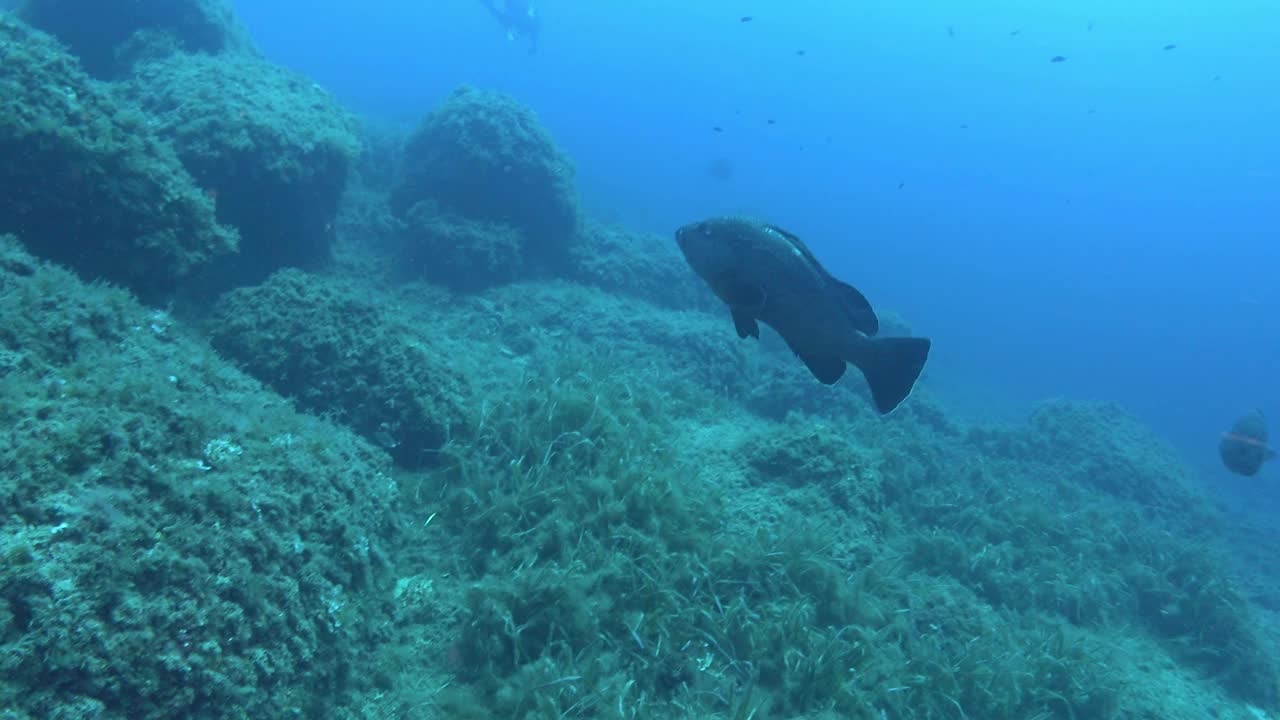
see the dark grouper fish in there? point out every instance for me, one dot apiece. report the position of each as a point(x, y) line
point(764, 273)
point(1244, 447)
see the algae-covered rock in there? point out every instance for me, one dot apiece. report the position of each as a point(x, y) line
point(642, 265)
point(339, 352)
point(1113, 451)
point(483, 156)
point(686, 352)
point(459, 252)
point(104, 34)
point(88, 181)
point(177, 541)
point(272, 148)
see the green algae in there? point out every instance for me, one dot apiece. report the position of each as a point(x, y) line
point(90, 183)
point(334, 348)
point(176, 540)
point(482, 156)
point(270, 147)
point(101, 34)
point(576, 496)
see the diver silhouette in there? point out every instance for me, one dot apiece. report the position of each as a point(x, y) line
point(518, 17)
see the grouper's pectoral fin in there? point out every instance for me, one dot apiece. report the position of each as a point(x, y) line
point(745, 301)
point(745, 323)
point(827, 368)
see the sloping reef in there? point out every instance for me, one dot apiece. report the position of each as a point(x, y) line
point(444, 447)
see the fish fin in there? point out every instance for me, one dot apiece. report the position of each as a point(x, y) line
point(787, 234)
point(799, 245)
point(891, 367)
point(745, 323)
point(827, 368)
point(864, 318)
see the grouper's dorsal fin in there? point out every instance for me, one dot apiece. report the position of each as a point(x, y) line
point(858, 307)
point(864, 318)
point(799, 245)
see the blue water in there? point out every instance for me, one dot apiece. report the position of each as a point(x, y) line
point(1104, 227)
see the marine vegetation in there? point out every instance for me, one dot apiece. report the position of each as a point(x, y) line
point(270, 148)
point(483, 157)
point(189, 172)
point(536, 476)
point(177, 540)
point(89, 182)
point(106, 37)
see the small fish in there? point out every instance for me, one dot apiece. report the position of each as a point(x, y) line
point(1015, 33)
point(717, 128)
point(1089, 27)
point(1170, 46)
point(800, 53)
point(765, 274)
point(746, 18)
point(901, 185)
point(771, 121)
point(1057, 58)
point(951, 31)
point(1244, 448)
point(964, 127)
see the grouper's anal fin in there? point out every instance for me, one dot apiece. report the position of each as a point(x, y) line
point(827, 368)
point(864, 318)
point(745, 323)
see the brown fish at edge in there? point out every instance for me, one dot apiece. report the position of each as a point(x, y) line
point(1243, 448)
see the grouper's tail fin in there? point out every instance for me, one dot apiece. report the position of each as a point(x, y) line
point(891, 366)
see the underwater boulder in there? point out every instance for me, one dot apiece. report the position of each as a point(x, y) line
point(483, 156)
point(342, 351)
point(1106, 447)
point(106, 36)
point(88, 182)
point(458, 252)
point(177, 540)
point(640, 265)
point(272, 148)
